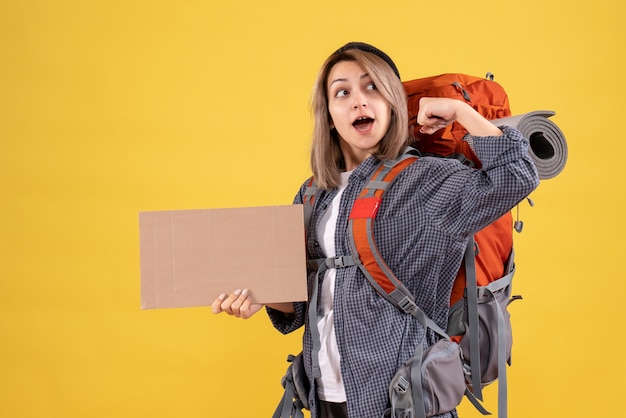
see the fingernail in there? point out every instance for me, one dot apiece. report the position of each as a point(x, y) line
point(237, 292)
point(222, 296)
point(244, 292)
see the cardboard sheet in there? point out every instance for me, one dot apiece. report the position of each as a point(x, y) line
point(189, 257)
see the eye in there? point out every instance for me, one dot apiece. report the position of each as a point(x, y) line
point(341, 93)
point(371, 86)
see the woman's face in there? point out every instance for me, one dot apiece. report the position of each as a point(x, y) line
point(358, 111)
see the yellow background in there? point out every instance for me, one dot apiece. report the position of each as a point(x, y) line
point(108, 108)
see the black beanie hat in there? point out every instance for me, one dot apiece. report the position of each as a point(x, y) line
point(371, 49)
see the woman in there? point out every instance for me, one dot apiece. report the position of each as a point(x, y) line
point(421, 228)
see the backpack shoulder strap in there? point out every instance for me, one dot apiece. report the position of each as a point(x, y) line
point(471, 295)
point(360, 228)
point(308, 200)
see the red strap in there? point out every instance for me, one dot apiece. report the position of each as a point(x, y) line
point(365, 207)
point(364, 211)
point(367, 256)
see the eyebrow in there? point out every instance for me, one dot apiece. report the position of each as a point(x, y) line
point(365, 75)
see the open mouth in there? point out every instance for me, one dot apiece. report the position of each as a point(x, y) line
point(363, 123)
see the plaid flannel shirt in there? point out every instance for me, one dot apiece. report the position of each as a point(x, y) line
point(421, 230)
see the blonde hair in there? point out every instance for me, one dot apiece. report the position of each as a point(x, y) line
point(326, 157)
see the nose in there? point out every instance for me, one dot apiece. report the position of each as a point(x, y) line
point(359, 101)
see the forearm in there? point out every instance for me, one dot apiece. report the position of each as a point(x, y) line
point(437, 112)
point(474, 123)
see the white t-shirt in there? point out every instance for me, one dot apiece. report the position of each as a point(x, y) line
point(330, 384)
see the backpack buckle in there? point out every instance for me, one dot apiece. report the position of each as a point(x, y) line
point(402, 386)
point(407, 305)
point(340, 262)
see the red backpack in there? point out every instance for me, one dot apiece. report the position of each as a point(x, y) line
point(490, 100)
point(483, 94)
point(490, 256)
